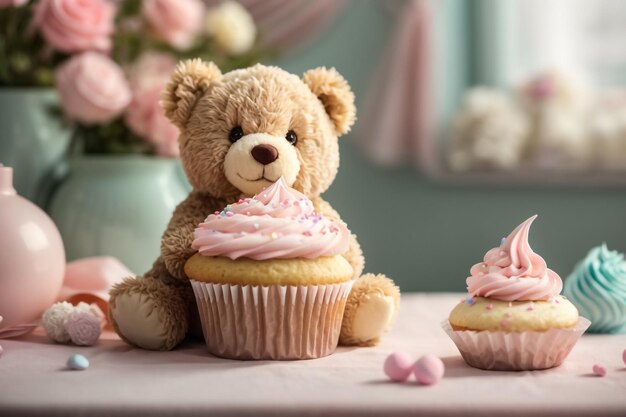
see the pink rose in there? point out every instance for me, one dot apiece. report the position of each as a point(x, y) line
point(144, 115)
point(11, 3)
point(146, 118)
point(92, 88)
point(83, 328)
point(76, 25)
point(150, 69)
point(176, 22)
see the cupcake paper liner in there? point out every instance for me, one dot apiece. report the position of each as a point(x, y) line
point(516, 351)
point(271, 322)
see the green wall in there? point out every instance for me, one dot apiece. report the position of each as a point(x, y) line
point(425, 234)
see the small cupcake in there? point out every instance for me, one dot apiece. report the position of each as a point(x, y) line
point(269, 278)
point(597, 287)
point(513, 317)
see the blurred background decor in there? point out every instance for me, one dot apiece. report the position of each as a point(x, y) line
point(555, 72)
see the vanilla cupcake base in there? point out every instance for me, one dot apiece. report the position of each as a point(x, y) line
point(245, 271)
point(279, 322)
point(479, 313)
point(516, 351)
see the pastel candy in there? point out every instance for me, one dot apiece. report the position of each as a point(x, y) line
point(599, 370)
point(429, 369)
point(77, 362)
point(398, 366)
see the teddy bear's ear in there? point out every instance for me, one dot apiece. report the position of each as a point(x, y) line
point(188, 83)
point(335, 93)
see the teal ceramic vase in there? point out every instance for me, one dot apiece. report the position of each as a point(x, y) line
point(32, 139)
point(117, 206)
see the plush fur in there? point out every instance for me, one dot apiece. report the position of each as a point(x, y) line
point(266, 102)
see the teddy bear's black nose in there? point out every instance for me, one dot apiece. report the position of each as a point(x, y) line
point(264, 154)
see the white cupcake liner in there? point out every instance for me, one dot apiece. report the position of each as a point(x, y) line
point(271, 322)
point(516, 351)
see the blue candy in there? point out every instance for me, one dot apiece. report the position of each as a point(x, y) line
point(77, 362)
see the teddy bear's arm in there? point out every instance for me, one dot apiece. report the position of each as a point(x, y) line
point(354, 254)
point(177, 239)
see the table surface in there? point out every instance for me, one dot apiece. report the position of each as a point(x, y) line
point(188, 381)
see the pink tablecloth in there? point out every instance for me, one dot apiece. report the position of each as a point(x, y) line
point(188, 381)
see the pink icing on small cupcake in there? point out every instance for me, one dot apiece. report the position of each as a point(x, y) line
point(277, 223)
point(513, 272)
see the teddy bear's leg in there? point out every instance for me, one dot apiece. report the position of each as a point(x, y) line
point(153, 311)
point(370, 310)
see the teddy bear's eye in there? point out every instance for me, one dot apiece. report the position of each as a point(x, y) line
point(235, 134)
point(291, 137)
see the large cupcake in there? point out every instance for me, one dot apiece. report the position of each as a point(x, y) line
point(513, 317)
point(269, 278)
point(597, 286)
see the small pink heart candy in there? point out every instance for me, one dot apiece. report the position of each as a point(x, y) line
point(599, 370)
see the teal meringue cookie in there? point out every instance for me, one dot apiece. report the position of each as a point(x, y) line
point(597, 287)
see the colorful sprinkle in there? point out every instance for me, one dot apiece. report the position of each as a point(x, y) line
point(531, 307)
point(274, 235)
point(470, 301)
point(510, 304)
point(256, 225)
point(307, 233)
point(217, 213)
point(489, 306)
point(502, 241)
point(599, 370)
point(230, 214)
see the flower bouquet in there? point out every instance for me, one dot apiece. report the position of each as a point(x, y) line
point(110, 60)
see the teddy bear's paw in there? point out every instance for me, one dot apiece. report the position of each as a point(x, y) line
point(370, 310)
point(151, 318)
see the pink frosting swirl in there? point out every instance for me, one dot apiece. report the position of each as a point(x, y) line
point(279, 222)
point(514, 272)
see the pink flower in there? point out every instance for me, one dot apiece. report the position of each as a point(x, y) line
point(83, 328)
point(76, 25)
point(11, 3)
point(176, 22)
point(92, 88)
point(150, 69)
point(144, 114)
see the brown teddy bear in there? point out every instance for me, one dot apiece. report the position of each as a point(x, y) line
point(239, 132)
